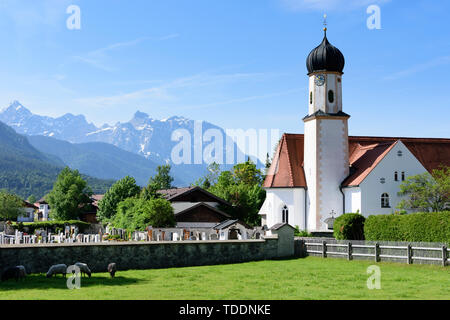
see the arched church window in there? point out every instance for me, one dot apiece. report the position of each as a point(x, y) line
point(403, 176)
point(331, 96)
point(285, 214)
point(385, 200)
point(396, 176)
point(311, 98)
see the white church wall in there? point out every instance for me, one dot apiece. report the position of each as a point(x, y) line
point(352, 200)
point(310, 168)
point(277, 198)
point(372, 189)
point(333, 169)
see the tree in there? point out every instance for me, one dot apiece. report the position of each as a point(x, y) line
point(32, 199)
point(11, 206)
point(138, 213)
point(242, 187)
point(268, 163)
point(69, 194)
point(161, 181)
point(426, 192)
point(161, 214)
point(211, 177)
point(121, 190)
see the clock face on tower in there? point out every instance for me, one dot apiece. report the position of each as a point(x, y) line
point(319, 80)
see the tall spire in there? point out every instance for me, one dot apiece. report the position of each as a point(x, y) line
point(325, 24)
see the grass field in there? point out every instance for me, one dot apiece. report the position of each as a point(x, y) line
point(310, 278)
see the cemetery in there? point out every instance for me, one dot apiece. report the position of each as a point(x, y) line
point(230, 229)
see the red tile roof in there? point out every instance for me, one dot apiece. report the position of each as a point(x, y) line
point(364, 155)
point(287, 166)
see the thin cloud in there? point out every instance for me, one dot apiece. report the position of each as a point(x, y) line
point(328, 5)
point(419, 68)
point(132, 43)
point(244, 99)
point(163, 92)
point(96, 58)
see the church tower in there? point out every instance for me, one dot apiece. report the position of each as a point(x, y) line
point(326, 160)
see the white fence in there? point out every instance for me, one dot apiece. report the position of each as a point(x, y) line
point(407, 253)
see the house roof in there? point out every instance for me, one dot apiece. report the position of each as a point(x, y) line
point(42, 201)
point(175, 193)
point(280, 225)
point(29, 205)
point(286, 170)
point(183, 207)
point(96, 198)
point(364, 154)
point(229, 223)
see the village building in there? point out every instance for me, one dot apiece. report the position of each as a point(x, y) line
point(323, 173)
point(29, 211)
point(196, 208)
point(43, 210)
point(90, 210)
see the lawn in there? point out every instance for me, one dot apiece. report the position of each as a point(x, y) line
point(310, 278)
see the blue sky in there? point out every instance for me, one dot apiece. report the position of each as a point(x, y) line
point(235, 63)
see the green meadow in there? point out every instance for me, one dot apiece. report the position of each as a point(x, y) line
point(297, 279)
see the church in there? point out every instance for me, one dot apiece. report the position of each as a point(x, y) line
point(321, 174)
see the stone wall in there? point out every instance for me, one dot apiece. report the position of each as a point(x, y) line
point(38, 258)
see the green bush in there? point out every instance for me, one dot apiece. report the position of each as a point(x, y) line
point(52, 225)
point(349, 226)
point(137, 214)
point(302, 233)
point(415, 227)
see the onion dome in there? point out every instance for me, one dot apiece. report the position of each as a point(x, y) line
point(325, 57)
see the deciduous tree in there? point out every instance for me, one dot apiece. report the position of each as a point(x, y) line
point(162, 180)
point(121, 190)
point(426, 192)
point(70, 192)
point(11, 206)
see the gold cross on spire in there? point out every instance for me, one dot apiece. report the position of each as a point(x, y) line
point(325, 22)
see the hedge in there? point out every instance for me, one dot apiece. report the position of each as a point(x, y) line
point(349, 226)
point(415, 227)
point(31, 227)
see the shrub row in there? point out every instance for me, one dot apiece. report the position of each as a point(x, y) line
point(31, 227)
point(416, 227)
point(349, 226)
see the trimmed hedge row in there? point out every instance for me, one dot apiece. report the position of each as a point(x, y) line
point(31, 227)
point(415, 227)
point(349, 226)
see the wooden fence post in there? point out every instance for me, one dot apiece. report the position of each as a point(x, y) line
point(350, 251)
point(444, 256)
point(377, 252)
point(324, 249)
point(409, 253)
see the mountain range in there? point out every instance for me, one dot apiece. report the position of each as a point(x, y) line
point(132, 148)
point(26, 171)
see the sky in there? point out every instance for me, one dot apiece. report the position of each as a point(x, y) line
point(239, 64)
